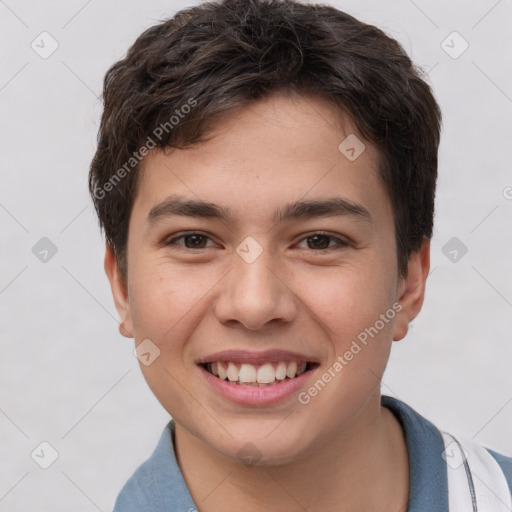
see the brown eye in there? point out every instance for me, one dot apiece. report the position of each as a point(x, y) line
point(322, 241)
point(190, 241)
point(319, 242)
point(195, 241)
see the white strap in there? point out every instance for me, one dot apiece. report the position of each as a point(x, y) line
point(476, 482)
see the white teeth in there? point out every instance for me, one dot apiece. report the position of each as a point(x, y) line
point(232, 372)
point(281, 371)
point(291, 370)
point(222, 371)
point(247, 373)
point(266, 374)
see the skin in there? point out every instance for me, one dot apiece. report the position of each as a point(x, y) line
point(342, 451)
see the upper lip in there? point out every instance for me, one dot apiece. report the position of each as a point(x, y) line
point(250, 357)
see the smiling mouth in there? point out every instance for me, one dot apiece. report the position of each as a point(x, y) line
point(262, 375)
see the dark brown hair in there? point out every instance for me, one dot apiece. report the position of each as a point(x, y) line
point(182, 75)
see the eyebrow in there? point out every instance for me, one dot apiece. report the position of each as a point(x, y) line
point(330, 207)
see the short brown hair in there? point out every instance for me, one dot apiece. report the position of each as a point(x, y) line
point(217, 57)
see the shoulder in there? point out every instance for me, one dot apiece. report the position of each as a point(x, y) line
point(446, 470)
point(157, 484)
point(137, 493)
point(486, 473)
point(505, 464)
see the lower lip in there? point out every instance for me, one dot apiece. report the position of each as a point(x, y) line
point(252, 395)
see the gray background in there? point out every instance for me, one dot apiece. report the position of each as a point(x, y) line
point(67, 375)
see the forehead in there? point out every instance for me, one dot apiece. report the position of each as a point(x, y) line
point(275, 151)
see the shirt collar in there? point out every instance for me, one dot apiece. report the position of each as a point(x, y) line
point(427, 469)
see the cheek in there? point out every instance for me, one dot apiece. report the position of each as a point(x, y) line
point(166, 308)
point(167, 303)
point(348, 298)
point(354, 307)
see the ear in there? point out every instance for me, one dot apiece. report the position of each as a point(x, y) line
point(119, 293)
point(411, 291)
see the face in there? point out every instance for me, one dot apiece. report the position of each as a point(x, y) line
point(289, 266)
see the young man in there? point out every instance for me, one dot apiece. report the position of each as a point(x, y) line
point(265, 177)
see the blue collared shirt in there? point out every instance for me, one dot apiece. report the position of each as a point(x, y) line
point(158, 485)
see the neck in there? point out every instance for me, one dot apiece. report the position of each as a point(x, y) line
point(365, 467)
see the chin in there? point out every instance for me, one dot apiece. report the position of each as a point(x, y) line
point(276, 449)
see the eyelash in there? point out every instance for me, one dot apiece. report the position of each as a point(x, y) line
point(341, 243)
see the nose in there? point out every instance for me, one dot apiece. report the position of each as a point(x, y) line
point(256, 293)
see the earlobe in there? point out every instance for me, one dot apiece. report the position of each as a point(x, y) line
point(119, 292)
point(411, 292)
